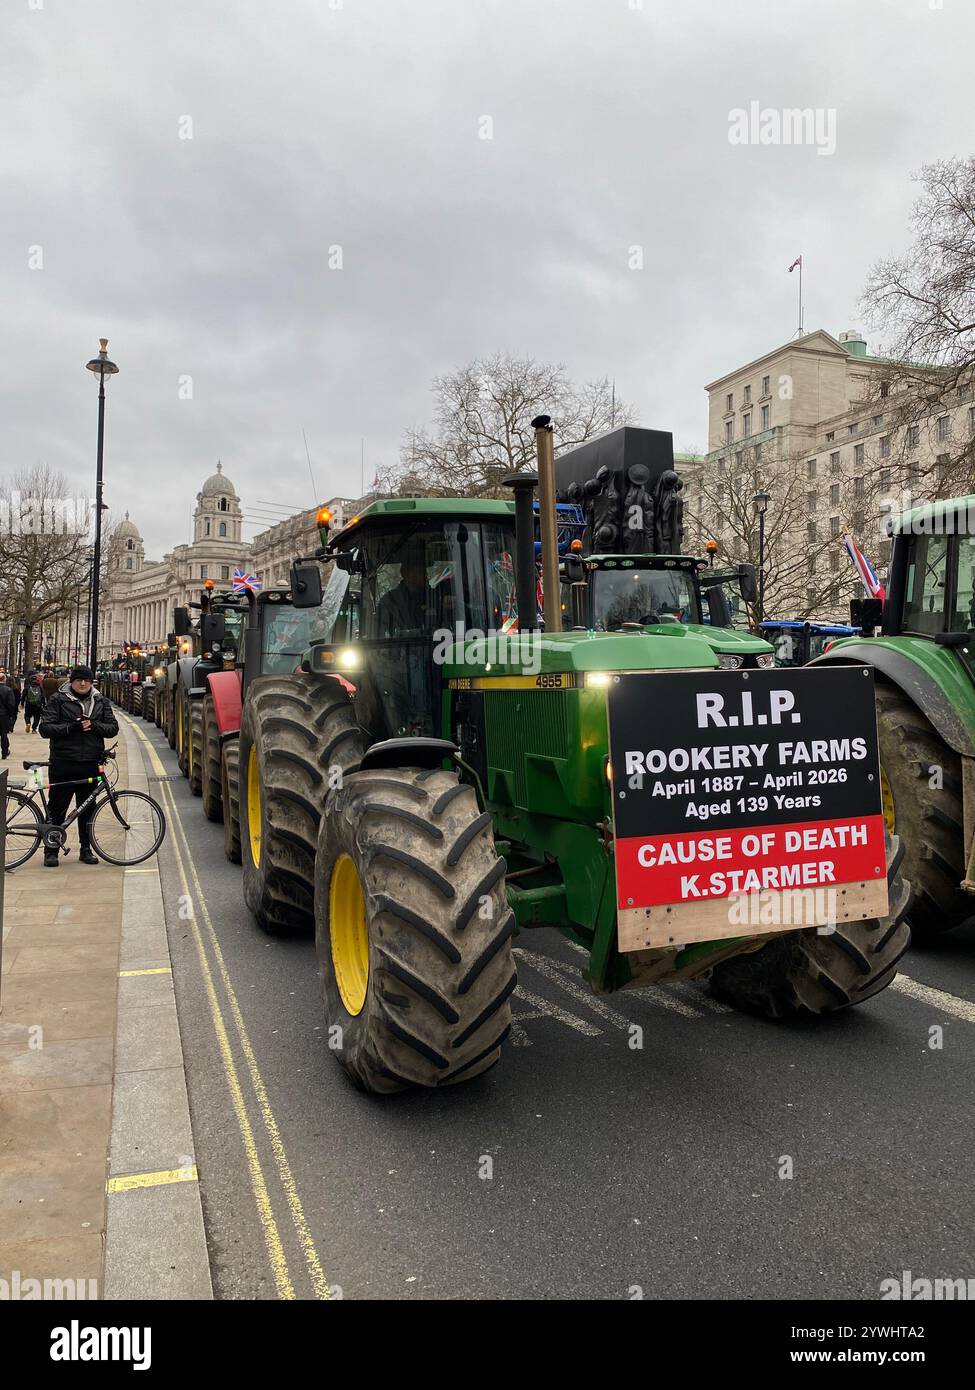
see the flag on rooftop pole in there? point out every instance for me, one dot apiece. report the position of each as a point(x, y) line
point(798, 262)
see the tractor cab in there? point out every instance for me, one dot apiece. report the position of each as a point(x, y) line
point(797, 641)
point(665, 594)
point(411, 579)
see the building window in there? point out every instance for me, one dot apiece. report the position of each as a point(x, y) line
point(729, 426)
point(878, 420)
point(885, 447)
point(834, 495)
point(834, 464)
point(858, 486)
point(942, 468)
point(766, 381)
point(746, 425)
point(834, 526)
point(766, 416)
point(223, 504)
point(884, 479)
point(811, 531)
point(852, 429)
point(811, 564)
point(748, 395)
point(224, 571)
point(722, 465)
point(944, 430)
point(758, 453)
point(830, 436)
point(834, 561)
point(128, 545)
point(128, 563)
point(738, 458)
point(812, 499)
point(971, 419)
point(203, 571)
point(223, 528)
point(729, 401)
point(208, 528)
point(914, 436)
point(811, 469)
point(884, 389)
point(858, 455)
point(913, 473)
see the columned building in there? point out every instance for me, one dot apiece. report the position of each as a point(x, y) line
point(141, 594)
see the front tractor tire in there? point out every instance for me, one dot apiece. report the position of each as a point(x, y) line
point(230, 787)
point(211, 788)
point(194, 747)
point(803, 973)
point(413, 930)
point(928, 820)
point(298, 737)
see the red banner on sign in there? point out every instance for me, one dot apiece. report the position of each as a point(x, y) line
point(682, 868)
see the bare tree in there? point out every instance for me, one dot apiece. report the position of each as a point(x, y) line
point(924, 302)
point(45, 549)
point(800, 578)
point(482, 424)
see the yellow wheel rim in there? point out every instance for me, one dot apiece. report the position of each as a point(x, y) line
point(189, 749)
point(179, 726)
point(887, 800)
point(348, 934)
point(254, 807)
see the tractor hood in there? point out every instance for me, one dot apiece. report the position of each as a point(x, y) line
point(725, 640)
point(663, 648)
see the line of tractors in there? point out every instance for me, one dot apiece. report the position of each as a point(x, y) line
point(410, 761)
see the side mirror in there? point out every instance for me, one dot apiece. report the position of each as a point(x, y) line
point(866, 614)
point(213, 630)
point(719, 609)
point(347, 560)
point(181, 622)
point(573, 570)
point(747, 583)
point(306, 586)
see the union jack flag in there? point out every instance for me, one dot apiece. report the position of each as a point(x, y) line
point(244, 582)
point(863, 567)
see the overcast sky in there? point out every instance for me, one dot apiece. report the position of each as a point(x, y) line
point(358, 124)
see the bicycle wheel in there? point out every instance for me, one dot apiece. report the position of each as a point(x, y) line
point(127, 828)
point(24, 823)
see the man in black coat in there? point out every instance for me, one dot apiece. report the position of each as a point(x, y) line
point(77, 720)
point(8, 713)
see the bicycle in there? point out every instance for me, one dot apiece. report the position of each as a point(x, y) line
point(126, 827)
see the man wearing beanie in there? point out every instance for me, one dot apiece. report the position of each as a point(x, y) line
point(77, 720)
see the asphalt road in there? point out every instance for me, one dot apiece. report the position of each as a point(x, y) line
point(584, 1165)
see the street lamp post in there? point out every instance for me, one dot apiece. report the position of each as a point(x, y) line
point(102, 368)
point(760, 501)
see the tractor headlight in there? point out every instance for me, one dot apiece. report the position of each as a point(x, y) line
point(730, 663)
point(765, 661)
point(600, 679)
point(349, 659)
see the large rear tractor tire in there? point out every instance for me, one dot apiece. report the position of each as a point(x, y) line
point(230, 784)
point(194, 746)
point(149, 703)
point(413, 930)
point(298, 737)
point(928, 819)
point(211, 788)
point(803, 973)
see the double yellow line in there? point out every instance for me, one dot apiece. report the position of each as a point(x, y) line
point(272, 1237)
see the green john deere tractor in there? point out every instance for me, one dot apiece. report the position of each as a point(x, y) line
point(460, 784)
point(924, 662)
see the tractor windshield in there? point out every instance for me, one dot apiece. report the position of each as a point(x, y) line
point(419, 588)
point(288, 633)
point(643, 596)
